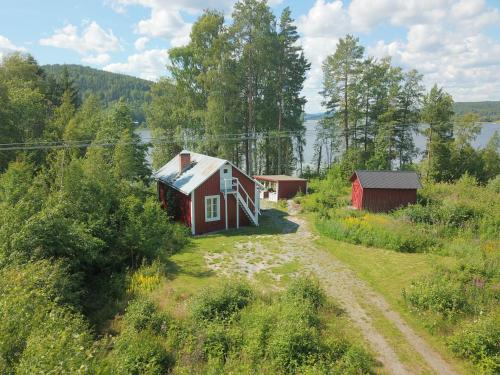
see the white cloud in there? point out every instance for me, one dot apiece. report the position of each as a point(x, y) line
point(324, 19)
point(321, 29)
point(140, 43)
point(92, 39)
point(6, 47)
point(100, 59)
point(366, 14)
point(444, 41)
point(149, 64)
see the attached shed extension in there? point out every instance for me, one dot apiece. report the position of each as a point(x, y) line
point(281, 186)
point(383, 191)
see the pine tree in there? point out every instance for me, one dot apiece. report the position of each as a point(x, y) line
point(437, 113)
point(253, 39)
point(342, 77)
point(68, 88)
point(291, 69)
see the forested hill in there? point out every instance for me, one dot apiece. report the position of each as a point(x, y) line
point(487, 111)
point(109, 87)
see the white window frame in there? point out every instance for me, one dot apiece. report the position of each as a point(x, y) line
point(209, 198)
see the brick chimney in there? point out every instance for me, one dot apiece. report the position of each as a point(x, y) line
point(184, 161)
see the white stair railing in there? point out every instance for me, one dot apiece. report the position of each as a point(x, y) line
point(233, 185)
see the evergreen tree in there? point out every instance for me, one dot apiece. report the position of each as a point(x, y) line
point(409, 101)
point(252, 36)
point(291, 69)
point(68, 88)
point(437, 113)
point(341, 81)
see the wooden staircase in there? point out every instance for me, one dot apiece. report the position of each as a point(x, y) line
point(233, 186)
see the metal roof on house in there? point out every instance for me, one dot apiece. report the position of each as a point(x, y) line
point(200, 169)
point(278, 177)
point(387, 179)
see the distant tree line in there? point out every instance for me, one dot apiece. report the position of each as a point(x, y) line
point(242, 78)
point(373, 111)
point(106, 86)
point(488, 111)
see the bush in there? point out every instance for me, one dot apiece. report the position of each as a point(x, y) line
point(221, 303)
point(216, 343)
point(355, 361)
point(293, 344)
point(142, 315)
point(62, 344)
point(140, 354)
point(466, 289)
point(305, 289)
point(28, 293)
point(438, 294)
point(479, 342)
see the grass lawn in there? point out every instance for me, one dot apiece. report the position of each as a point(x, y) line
point(187, 271)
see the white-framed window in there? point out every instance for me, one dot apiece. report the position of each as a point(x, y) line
point(212, 208)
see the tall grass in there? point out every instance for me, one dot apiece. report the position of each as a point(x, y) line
point(232, 328)
point(462, 220)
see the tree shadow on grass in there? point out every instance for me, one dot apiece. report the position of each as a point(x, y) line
point(188, 267)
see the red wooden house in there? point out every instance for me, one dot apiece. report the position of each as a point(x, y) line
point(382, 191)
point(207, 194)
point(281, 186)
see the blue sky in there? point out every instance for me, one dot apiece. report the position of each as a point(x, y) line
point(455, 43)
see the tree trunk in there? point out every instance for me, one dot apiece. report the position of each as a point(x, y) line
point(318, 166)
point(248, 141)
point(280, 126)
point(366, 124)
point(346, 114)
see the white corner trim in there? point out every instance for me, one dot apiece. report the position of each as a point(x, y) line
point(193, 216)
point(211, 197)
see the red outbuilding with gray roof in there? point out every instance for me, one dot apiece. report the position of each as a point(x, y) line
point(383, 191)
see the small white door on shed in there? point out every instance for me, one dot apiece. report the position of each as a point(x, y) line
point(226, 173)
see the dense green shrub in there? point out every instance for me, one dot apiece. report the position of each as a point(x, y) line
point(217, 342)
point(292, 345)
point(438, 294)
point(479, 342)
point(305, 289)
point(28, 294)
point(139, 354)
point(280, 333)
point(468, 288)
point(61, 344)
point(221, 303)
point(326, 193)
point(142, 314)
point(454, 214)
point(494, 185)
point(355, 361)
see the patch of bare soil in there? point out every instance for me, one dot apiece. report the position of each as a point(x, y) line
point(297, 244)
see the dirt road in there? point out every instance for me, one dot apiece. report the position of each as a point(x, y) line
point(296, 244)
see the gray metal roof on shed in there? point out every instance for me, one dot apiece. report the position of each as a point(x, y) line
point(388, 179)
point(200, 169)
point(278, 177)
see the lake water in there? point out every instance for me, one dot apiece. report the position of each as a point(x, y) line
point(482, 139)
